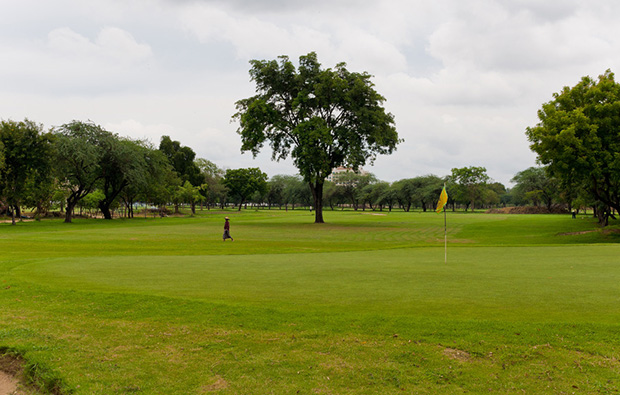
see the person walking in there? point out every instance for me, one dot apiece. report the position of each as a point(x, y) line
point(227, 230)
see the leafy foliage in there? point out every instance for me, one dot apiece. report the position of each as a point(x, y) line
point(243, 183)
point(534, 185)
point(578, 137)
point(182, 160)
point(78, 160)
point(25, 162)
point(470, 183)
point(322, 118)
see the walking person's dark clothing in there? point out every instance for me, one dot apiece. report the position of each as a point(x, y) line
point(227, 231)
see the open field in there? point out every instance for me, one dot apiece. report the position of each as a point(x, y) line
point(361, 305)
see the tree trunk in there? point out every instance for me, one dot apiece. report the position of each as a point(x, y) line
point(317, 194)
point(69, 211)
point(105, 210)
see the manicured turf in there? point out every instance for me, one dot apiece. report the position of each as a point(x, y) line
point(361, 305)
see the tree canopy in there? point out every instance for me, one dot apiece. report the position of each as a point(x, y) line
point(534, 185)
point(242, 183)
point(470, 183)
point(322, 118)
point(25, 162)
point(578, 137)
point(78, 160)
point(182, 160)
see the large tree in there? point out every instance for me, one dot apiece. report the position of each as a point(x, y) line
point(578, 137)
point(322, 118)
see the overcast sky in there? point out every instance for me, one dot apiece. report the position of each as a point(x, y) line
point(462, 78)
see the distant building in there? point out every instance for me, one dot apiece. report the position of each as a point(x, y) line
point(340, 170)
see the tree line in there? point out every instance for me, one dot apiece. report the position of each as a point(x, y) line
point(322, 118)
point(82, 166)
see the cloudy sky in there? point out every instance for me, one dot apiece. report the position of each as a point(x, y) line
point(462, 78)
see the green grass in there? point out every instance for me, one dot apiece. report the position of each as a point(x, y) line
point(363, 304)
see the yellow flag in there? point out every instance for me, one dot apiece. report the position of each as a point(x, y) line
point(443, 199)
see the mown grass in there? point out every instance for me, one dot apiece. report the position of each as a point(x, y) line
point(361, 305)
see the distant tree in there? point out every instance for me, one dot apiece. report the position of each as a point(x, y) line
point(25, 161)
point(182, 160)
point(212, 188)
point(578, 138)
point(188, 193)
point(163, 186)
point(41, 190)
point(91, 201)
point(153, 176)
point(390, 197)
point(243, 183)
point(493, 193)
point(534, 185)
point(123, 163)
point(405, 192)
point(299, 192)
point(352, 186)
point(275, 194)
point(323, 118)
point(427, 190)
point(376, 194)
point(78, 160)
point(471, 182)
point(207, 167)
point(333, 194)
point(294, 191)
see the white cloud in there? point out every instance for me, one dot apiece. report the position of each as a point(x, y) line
point(463, 79)
point(67, 62)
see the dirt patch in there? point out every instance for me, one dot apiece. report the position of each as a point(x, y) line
point(457, 355)
point(218, 385)
point(11, 371)
point(576, 233)
point(603, 231)
point(528, 210)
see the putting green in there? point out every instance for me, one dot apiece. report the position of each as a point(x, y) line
point(571, 283)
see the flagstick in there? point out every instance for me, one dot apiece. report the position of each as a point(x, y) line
point(445, 235)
